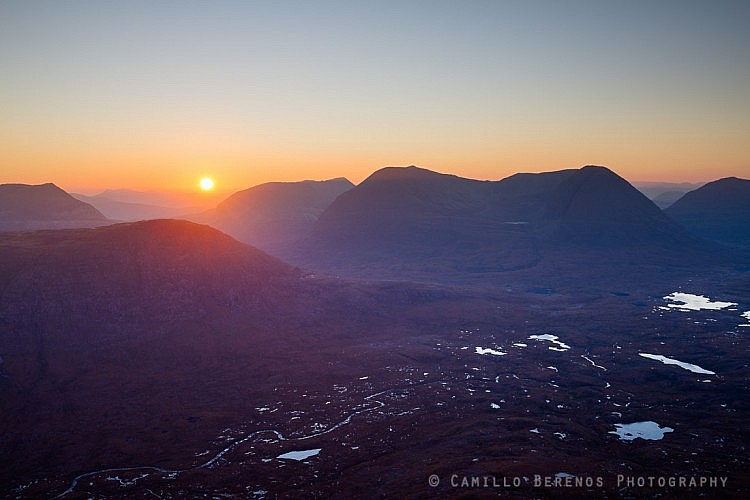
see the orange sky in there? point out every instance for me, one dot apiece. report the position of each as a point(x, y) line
point(146, 95)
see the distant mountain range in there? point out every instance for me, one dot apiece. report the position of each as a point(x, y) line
point(44, 206)
point(408, 223)
point(664, 194)
point(275, 214)
point(718, 211)
point(130, 211)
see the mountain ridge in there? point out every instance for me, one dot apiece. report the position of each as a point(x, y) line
point(410, 221)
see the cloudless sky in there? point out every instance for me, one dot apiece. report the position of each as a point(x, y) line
point(155, 94)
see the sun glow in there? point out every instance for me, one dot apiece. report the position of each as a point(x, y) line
point(207, 184)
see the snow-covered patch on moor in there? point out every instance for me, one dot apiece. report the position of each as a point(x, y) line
point(551, 338)
point(299, 455)
point(670, 361)
point(644, 430)
point(487, 350)
point(690, 302)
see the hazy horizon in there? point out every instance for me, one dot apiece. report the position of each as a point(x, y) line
point(148, 95)
point(220, 192)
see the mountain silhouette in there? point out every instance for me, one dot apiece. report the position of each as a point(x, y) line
point(595, 207)
point(410, 221)
point(273, 214)
point(718, 211)
point(44, 206)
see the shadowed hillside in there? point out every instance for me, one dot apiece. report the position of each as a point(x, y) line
point(407, 223)
point(718, 211)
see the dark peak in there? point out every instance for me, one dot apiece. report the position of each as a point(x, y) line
point(335, 180)
point(404, 173)
point(729, 182)
point(728, 186)
point(287, 194)
point(595, 167)
point(597, 170)
point(597, 193)
point(728, 195)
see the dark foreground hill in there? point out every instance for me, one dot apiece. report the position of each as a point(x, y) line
point(411, 223)
point(116, 342)
point(274, 214)
point(718, 211)
point(44, 206)
point(166, 359)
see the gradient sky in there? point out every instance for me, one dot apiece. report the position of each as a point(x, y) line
point(155, 94)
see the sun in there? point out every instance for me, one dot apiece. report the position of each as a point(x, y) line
point(207, 184)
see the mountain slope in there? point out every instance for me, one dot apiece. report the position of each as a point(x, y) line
point(408, 222)
point(140, 342)
point(719, 211)
point(44, 206)
point(273, 214)
point(594, 207)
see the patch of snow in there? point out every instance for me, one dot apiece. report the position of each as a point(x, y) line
point(553, 339)
point(553, 368)
point(746, 315)
point(644, 430)
point(484, 351)
point(494, 406)
point(299, 455)
point(535, 430)
point(690, 302)
point(520, 344)
point(669, 361)
point(561, 435)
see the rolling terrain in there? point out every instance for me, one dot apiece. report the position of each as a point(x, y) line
point(507, 339)
point(164, 357)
